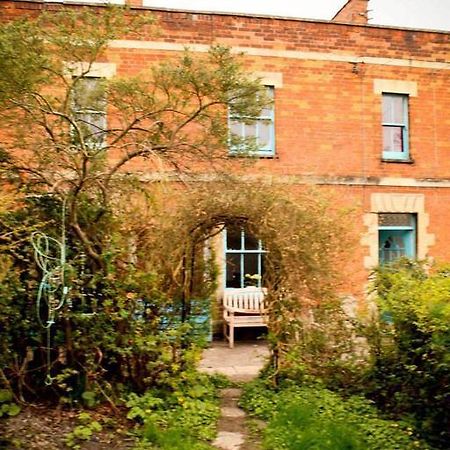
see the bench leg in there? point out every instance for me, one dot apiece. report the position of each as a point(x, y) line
point(231, 337)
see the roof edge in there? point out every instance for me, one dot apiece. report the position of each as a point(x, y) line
point(240, 14)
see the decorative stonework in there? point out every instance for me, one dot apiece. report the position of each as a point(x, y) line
point(280, 53)
point(395, 87)
point(274, 79)
point(396, 203)
point(97, 70)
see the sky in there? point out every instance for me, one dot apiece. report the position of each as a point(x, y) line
point(429, 14)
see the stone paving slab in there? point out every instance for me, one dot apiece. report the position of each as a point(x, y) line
point(241, 363)
point(230, 411)
point(227, 440)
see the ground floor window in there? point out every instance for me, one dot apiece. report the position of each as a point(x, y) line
point(244, 259)
point(397, 236)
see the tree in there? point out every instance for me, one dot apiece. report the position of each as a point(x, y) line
point(170, 122)
point(172, 118)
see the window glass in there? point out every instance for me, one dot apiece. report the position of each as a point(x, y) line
point(264, 134)
point(235, 127)
point(251, 268)
point(251, 243)
point(393, 108)
point(233, 270)
point(234, 238)
point(397, 236)
point(90, 110)
point(395, 126)
point(250, 130)
point(244, 259)
point(260, 128)
point(395, 219)
point(392, 139)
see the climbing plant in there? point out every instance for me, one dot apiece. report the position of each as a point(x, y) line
point(305, 239)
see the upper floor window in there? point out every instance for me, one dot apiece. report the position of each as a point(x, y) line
point(244, 259)
point(397, 236)
point(395, 127)
point(258, 130)
point(89, 108)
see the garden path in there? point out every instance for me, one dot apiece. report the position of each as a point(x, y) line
point(240, 364)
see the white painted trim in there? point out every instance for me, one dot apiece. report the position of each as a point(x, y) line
point(289, 54)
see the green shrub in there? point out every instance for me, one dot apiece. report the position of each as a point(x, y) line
point(83, 432)
point(313, 417)
point(8, 408)
point(183, 416)
point(410, 374)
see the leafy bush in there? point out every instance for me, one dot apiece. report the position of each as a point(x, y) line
point(177, 418)
point(116, 331)
point(83, 432)
point(7, 405)
point(312, 416)
point(410, 346)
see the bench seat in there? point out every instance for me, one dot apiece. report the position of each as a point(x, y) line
point(243, 308)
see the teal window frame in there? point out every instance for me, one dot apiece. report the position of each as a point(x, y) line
point(267, 117)
point(407, 234)
point(403, 123)
point(243, 254)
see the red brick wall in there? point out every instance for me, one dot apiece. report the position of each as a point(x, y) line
point(327, 116)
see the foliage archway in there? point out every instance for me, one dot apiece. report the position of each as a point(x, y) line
point(306, 239)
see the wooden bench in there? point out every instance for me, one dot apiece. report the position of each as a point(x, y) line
point(243, 308)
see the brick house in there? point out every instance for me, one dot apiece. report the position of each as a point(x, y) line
point(359, 109)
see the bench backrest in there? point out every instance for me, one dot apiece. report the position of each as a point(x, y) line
point(249, 300)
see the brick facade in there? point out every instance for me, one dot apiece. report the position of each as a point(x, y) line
point(328, 109)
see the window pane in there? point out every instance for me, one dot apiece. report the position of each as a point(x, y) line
point(251, 243)
point(397, 109)
point(392, 248)
point(261, 129)
point(392, 139)
point(92, 126)
point(236, 127)
point(395, 244)
point(251, 273)
point(266, 112)
point(396, 219)
point(234, 238)
point(89, 94)
point(393, 108)
point(250, 130)
point(233, 270)
point(264, 134)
